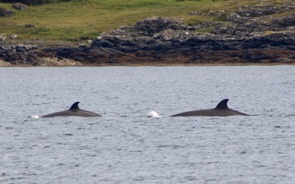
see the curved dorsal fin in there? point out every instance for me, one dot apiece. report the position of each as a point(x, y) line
point(222, 104)
point(75, 106)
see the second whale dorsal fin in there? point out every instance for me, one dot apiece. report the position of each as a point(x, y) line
point(75, 106)
point(222, 104)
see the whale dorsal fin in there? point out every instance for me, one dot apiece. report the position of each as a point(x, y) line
point(222, 104)
point(75, 106)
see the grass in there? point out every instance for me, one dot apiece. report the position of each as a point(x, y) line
point(76, 20)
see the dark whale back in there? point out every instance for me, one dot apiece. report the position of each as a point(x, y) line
point(74, 110)
point(220, 110)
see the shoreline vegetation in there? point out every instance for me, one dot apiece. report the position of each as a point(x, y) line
point(202, 33)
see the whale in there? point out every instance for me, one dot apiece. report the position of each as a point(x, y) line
point(220, 110)
point(74, 110)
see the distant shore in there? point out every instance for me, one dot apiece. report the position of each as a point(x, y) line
point(250, 36)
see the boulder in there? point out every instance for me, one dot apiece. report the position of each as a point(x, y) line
point(5, 12)
point(3, 37)
point(19, 6)
point(150, 26)
point(4, 63)
point(53, 61)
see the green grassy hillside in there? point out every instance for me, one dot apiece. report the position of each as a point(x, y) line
point(77, 20)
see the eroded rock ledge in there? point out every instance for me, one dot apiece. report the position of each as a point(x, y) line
point(250, 35)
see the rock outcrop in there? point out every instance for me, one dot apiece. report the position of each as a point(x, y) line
point(5, 12)
point(4, 63)
point(249, 35)
point(19, 6)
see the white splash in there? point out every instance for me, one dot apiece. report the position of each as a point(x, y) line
point(153, 114)
point(34, 117)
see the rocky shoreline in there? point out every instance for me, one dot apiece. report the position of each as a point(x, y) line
point(251, 35)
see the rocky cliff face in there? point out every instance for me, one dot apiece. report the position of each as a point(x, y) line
point(249, 35)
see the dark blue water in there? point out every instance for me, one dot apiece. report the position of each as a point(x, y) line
point(126, 146)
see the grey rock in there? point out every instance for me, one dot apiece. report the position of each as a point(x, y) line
point(19, 6)
point(257, 11)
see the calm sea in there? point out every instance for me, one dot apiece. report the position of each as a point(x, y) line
point(125, 146)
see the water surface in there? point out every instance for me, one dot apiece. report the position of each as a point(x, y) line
point(125, 146)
